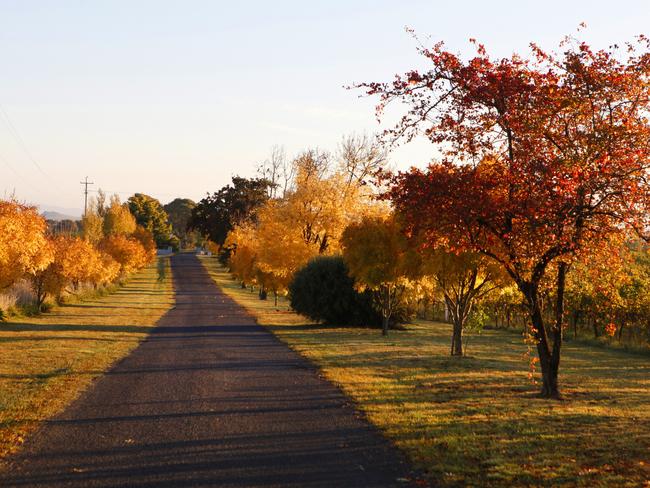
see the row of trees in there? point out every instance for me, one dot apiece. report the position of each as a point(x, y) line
point(271, 226)
point(112, 245)
point(167, 223)
point(539, 204)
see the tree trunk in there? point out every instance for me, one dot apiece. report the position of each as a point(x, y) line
point(576, 318)
point(384, 326)
point(385, 309)
point(550, 389)
point(457, 339)
point(620, 330)
point(549, 361)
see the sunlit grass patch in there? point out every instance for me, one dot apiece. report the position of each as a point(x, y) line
point(477, 421)
point(46, 361)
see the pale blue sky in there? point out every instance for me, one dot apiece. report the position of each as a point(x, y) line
point(171, 98)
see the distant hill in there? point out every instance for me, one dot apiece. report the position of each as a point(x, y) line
point(51, 215)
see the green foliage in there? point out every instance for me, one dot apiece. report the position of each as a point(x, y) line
point(179, 212)
point(235, 204)
point(477, 319)
point(151, 215)
point(323, 291)
point(162, 269)
point(33, 309)
point(174, 242)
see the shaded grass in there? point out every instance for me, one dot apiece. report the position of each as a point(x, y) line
point(47, 361)
point(477, 421)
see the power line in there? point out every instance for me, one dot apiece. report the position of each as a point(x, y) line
point(20, 140)
point(171, 194)
point(18, 175)
point(86, 183)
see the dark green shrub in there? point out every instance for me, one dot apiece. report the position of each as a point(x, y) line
point(30, 309)
point(323, 291)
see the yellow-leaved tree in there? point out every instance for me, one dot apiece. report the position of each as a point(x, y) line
point(380, 259)
point(75, 261)
point(118, 219)
point(242, 242)
point(128, 252)
point(145, 237)
point(463, 279)
point(92, 226)
point(281, 249)
point(107, 272)
point(24, 249)
point(307, 220)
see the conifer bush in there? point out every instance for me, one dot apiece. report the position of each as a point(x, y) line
point(323, 291)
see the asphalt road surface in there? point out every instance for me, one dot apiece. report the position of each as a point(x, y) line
point(208, 399)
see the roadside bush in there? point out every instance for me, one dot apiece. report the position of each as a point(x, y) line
point(323, 291)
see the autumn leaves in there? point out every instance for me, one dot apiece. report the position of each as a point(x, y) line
point(307, 219)
point(112, 247)
point(544, 161)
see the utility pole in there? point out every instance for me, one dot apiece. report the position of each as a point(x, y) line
point(85, 184)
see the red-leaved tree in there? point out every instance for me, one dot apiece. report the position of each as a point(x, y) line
point(542, 160)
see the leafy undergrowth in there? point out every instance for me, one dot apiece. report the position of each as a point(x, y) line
point(47, 361)
point(476, 421)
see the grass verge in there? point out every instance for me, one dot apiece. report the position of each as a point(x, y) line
point(476, 421)
point(48, 360)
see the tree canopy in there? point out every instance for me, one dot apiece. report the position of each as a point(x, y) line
point(179, 212)
point(151, 215)
point(217, 214)
point(23, 245)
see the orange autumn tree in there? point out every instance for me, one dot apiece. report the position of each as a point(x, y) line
point(146, 238)
point(128, 252)
point(542, 159)
point(107, 272)
point(75, 261)
point(23, 246)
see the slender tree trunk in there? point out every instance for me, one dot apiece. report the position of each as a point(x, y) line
point(385, 309)
point(549, 376)
point(457, 339)
point(620, 330)
point(458, 308)
point(576, 318)
point(548, 364)
point(551, 390)
point(384, 326)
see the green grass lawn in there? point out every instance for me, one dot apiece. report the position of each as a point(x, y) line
point(476, 421)
point(47, 361)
